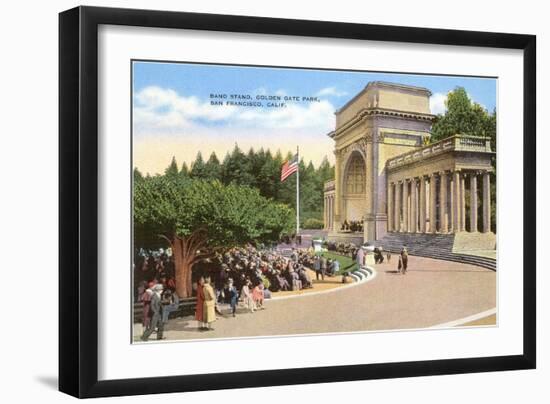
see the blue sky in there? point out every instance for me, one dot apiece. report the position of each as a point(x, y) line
point(172, 106)
point(201, 80)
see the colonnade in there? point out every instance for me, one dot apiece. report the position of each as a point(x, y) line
point(436, 203)
point(329, 211)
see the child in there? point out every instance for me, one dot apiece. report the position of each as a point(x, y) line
point(258, 295)
point(247, 296)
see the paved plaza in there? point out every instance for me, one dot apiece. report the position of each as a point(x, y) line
point(433, 292)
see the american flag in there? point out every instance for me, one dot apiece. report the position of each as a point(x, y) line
point(289, 167)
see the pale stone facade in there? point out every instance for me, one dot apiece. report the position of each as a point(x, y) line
point(432, 187)
point(386, 176)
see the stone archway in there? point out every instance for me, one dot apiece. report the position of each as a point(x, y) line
point(354, 187)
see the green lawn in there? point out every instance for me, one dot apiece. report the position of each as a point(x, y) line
point(346, 263)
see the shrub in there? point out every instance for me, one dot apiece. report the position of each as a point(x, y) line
point(313, 223)
point(266, 282)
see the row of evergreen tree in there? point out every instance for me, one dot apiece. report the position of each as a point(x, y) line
point(261, 169)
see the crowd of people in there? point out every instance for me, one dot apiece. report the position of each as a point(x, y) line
point(245, 275)
point(240, 275)
point(154, 275)
point(353, 226)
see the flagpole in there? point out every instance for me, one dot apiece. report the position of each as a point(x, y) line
point(298, 193)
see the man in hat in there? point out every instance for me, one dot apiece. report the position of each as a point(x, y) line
point(156, 308)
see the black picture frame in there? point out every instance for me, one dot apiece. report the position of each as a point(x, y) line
point(78, 200)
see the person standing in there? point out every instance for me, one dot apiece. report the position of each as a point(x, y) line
point(156, 308)
point(232, 296)
point(334, 267)
point(360, 258)
point(317, 266)
point(404, 259)
point(199, 309)
point(323, 267)
point(209, 312)
point(247, 297)
point(170, 303)
point(146, 300)
point(258, 295)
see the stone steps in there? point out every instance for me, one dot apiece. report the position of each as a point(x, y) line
point(437, 246)
point(361, 274)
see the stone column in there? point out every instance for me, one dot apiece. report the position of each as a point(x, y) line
point(405, 206)
point(328, 212)
point(443, 217)
point(331, 212)
point(433, 226)
point(473, 202)
point(456, 201)
point(389, 206)
point(422, 202)
point(414, 206)
point(397, 209)
point(325, 213)
point(462, 202)
point(338, 189)
point(486, 202)
point(451, 202)
point(332, 203)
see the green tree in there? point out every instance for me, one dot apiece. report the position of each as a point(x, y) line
point(463, 117)
point(212, 168)
point(237, 169)
point(267, 178)
point(325, 172)
point(311, 193)
point(172, 169)
point(184, 172)
point(197, 216)
point(137, 175)
point(198, 167)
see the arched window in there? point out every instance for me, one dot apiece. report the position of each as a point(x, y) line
point(355, 180)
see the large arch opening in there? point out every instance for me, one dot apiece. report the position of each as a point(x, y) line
point(354, 191)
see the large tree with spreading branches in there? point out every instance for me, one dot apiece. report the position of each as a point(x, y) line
point(195, 217)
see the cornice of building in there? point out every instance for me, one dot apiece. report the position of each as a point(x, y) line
point(372, 112)
point(385, 84)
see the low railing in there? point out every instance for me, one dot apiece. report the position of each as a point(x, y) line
point(452, 143)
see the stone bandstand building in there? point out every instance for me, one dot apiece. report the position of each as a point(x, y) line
point(401, 188)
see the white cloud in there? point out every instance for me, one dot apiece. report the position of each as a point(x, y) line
point(163, 110)
point(331, 91)
point(437, 103)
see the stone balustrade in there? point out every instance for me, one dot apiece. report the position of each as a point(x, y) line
point(453, 143)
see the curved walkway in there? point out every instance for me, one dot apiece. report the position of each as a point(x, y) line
point(432, 292)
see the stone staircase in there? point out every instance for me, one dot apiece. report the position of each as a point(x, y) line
point(362, 274)
point(438, 246)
